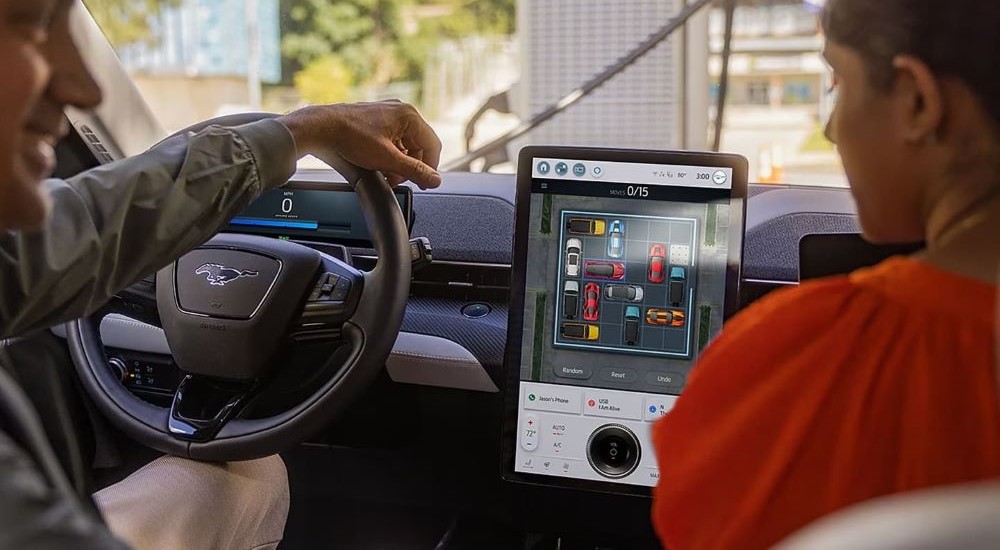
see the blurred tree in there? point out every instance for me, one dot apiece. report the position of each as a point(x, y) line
point(455, 20)
point(364, 34)
point(468, 17)
point(325, 79)
point(128, 21)
point(380, 41)
point(369, 35)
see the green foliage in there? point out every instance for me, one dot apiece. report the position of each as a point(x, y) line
point(704, 326)
point(493, 17)
point(364, 34)
point(325, 79)
point(539, 342)
point(372, 38)
point(816, 141)
point(127, 22)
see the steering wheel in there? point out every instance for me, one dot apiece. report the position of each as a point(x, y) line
point(229, 306)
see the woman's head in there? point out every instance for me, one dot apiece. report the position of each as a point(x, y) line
point(918, 115)
point(43, 73)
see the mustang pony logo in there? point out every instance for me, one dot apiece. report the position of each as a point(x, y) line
point(219, 275)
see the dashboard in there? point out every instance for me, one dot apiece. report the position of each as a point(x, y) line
point(458, 312)
point(472, 267)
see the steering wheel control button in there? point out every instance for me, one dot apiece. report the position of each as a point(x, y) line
point(529, 433)
point(576, 373)
point(325, 287)
point(613, 405)
point(613, 451)
point(223, 283)
point(476, 311)
point(341, 290)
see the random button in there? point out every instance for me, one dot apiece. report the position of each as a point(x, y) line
point(577, 373)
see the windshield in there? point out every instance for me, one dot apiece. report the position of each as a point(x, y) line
point(479, 70)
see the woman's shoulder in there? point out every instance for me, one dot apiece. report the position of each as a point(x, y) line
point(800, 306)
point(874, 304)
point(897, 285)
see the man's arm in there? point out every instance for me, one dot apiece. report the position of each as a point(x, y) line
point(113, 224)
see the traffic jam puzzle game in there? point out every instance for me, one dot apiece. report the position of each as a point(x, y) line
point(625, 283)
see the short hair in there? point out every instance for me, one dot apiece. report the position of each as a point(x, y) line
point(955, 38)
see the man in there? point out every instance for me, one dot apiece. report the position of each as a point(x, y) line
point(67, 246)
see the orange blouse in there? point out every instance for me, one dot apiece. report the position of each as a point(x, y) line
point(819, 397)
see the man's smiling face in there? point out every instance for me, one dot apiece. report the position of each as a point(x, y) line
point(43, 74)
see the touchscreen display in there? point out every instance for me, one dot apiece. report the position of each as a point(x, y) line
point(625, 284)
point(332, 213)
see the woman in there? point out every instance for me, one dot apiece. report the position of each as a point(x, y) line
point(67, 246)
point(883, 381)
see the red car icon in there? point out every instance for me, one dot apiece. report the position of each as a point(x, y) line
point(591, 302)
point(601, 269)
point(657, 254)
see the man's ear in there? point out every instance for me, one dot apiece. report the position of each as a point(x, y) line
point(922, 98)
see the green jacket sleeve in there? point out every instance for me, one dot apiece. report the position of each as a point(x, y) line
point(116, 223)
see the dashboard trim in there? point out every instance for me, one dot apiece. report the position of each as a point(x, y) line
point(418, 359)
point(434, 361)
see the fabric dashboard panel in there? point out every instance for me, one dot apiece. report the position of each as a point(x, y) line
point(485, 337)
point(463, 228)
point(771, 250)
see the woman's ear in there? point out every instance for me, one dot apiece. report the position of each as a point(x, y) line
point(921, 97)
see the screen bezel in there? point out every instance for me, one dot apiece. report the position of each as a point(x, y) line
point(515, 319)
point(333, 187)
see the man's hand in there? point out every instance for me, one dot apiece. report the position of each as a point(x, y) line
point(389, 136)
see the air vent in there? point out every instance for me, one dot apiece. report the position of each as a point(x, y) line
point(464, 281)
point(94, 142)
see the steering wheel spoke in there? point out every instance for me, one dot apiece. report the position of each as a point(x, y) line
point(202, 406)
point(138, 302)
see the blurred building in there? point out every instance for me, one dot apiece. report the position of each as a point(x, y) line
point(565, 43)
point(203, 62)
point(776, 56)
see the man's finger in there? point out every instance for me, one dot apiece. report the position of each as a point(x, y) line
point(414, 170)
point(421, 136)
point(394, 179)
point(414, 150)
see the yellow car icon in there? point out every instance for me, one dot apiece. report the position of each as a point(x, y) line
point(580, 331)
point(586, 226)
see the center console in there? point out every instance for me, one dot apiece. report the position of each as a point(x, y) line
point(626, 264)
